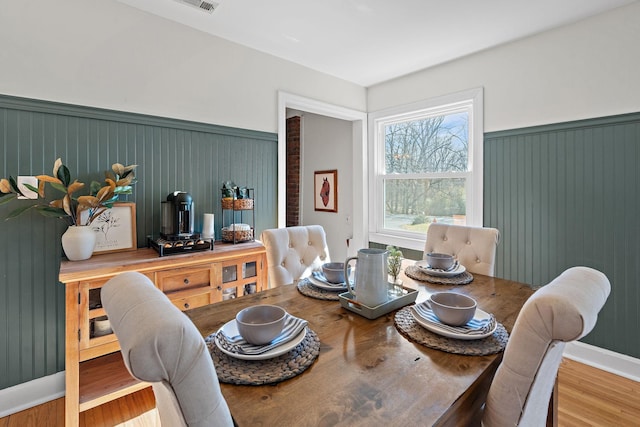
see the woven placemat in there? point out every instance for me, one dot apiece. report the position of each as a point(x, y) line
point(408, 327)
point(257, 372)
point(306, 288)
point(417, 274)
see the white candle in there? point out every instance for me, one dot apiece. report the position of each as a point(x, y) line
point(207, 227)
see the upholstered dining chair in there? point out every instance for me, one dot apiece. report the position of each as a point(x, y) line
point(564, 310)
point(160, 345)
point(474, 247)
point(294, 252)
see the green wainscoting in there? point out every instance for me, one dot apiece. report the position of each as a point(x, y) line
point(171, 154)
point(569, 194)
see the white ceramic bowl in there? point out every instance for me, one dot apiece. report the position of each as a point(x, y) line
point(334, 271)
point(453, 308)
point(440, 261)
point(260, 324)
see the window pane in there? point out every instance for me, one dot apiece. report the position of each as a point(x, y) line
point(433, 144)
point(412, 204)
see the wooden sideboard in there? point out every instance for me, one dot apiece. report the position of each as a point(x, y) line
point(94, 370)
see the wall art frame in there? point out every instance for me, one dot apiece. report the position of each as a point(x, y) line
point(325, 190)
point(116, 229)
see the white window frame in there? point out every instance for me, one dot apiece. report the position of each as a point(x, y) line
point(469, 100)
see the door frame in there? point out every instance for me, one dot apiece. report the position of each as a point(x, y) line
point(360, 168)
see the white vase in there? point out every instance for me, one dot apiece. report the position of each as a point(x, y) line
point(78, 242)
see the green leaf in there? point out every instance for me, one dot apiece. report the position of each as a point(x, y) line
point(31, 187)
point(127, 189)
point(59, 187)
point(94, 188)
point(49, 211)
point(64, 175)
point(6, 198)
point(18, 212)
point(14, 185)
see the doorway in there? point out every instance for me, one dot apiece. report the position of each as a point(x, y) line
point(355, 174)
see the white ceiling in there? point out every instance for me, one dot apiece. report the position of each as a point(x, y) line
point(371, 41)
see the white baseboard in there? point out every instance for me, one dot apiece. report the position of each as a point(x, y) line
point(616, 363)
point(32, 393)
point(26, 395)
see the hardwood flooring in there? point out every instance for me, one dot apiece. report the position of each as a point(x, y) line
point(587, 397)
point(590, 397)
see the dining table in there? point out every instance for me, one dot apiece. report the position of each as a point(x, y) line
point(367, 372)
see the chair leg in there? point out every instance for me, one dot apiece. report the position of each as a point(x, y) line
point(552, 414)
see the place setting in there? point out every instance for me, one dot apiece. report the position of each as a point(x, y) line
point(441, 269)
point(264, 344)
point(326, 283)
point(452, 322)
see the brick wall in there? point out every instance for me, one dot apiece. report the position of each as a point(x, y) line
point(293, 171)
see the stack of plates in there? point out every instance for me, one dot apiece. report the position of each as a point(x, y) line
point(229, 342)
point(453, 271)
point(318, 280)
point(481, 326)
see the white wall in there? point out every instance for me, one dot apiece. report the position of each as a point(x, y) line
point(109, 55)
point(585, 70)
point(326, 144)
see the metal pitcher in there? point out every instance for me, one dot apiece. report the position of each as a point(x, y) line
point(370, 287)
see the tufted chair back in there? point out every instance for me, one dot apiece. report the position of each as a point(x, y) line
point(160, 345)
point(564, 310)
point(294, 252)
point(474, 247)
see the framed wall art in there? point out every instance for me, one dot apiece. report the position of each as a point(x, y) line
point(325, 188)
point(116, 229)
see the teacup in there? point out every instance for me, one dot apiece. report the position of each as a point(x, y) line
point(453, 308)
point(439, 261)
point(334, 271)
point(260, 324)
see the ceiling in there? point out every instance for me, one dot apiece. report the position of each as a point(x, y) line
point(371, 41)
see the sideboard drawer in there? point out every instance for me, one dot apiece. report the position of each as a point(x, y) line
point(184, 278)
point(191, 301)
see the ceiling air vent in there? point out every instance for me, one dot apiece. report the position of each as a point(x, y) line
point(207, 6)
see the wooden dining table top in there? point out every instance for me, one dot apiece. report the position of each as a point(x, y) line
point(367, 373)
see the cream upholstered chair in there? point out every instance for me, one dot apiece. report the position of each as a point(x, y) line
point(294, 252)
point(564, 310)
point(162, 346)
point(474, 247)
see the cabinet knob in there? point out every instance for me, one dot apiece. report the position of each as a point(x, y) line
point(186, 305)
point(186, 281)
point(219, 288)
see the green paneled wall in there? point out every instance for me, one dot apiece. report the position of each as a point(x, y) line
point(171, 154)
point(566, 195)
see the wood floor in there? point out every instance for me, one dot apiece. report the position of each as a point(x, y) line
point(587, 397)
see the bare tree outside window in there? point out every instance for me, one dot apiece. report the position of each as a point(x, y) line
point(426, 166)
point(426, 161)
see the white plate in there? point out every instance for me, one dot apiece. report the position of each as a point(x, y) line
point(480, 315)
point(422, 265)
point(230, 329)
point(326, 285)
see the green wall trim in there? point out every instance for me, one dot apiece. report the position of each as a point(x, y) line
point(556, 127)
point(171, 155)
point(568, 194)
point(41, 106)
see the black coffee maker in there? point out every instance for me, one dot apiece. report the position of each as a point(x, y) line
point(178, 217)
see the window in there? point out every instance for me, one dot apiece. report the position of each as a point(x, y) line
point(427, 167)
